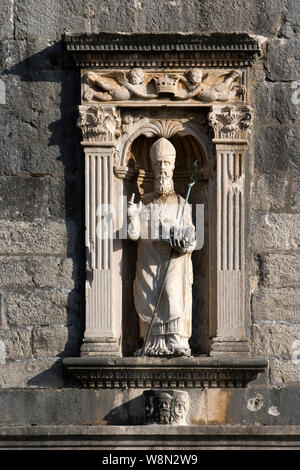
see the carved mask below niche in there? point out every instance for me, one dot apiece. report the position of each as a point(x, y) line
point(166, 407)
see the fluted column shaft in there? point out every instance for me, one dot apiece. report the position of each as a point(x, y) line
point(231, 143)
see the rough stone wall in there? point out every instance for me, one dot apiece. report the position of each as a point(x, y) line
point(41, 177)
point(274, 220)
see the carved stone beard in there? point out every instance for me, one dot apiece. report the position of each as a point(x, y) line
point(163, 185)
point(164, 417)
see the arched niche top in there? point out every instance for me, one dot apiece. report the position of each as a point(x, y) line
point(188, 150)
point(189, 138)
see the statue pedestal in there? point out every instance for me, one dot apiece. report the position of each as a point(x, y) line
point(158, 373)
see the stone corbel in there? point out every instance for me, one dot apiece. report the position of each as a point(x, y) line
point(230, 126)
point(101, 129)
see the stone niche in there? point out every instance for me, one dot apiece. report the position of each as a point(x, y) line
point(193, 91)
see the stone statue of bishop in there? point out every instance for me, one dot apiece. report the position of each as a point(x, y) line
point(158, 226)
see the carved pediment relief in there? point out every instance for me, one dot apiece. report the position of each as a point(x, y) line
point(136, 84)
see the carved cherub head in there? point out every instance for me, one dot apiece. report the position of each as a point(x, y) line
point(195, 76)
point(136, 76)
point(90, 78)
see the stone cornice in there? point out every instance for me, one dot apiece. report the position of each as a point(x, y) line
point(161, 50)
point(195, 372)
point(106, 437)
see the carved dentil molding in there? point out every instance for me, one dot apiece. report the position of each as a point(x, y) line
point(156, 374)
point(167, 50)
point(229, 122)
point(99, 124)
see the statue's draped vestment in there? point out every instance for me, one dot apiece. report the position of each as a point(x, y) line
point(175, 306)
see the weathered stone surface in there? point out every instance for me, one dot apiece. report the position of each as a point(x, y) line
point(72, 406)
point(99, 437)
point(42, 307)
point(23, 197)
point(269, 192)
point(25, 56)
point(284, 372)
point(261, 404)
point(42, 272)
point(280, 270)
point(217, 402)
point(272, 103)
point(49, 341)
point(17, 343)
point(25, 152)
point(11, 53)
point(67, 274)
point(35, 19)
point(42, 237)
point(295, 193)
point(7, 19)
point(13, 272)
point(106, 16)
point(281, 60)
point(291, 19)
point(65, 197)
point(275, 340)
point(191, 15)
point(37, 158)
point(42, 54)
point(277, 148)
point(275, 231)
point(33, 372)
point(280, 305)
point(40, 135)
point(24, 92)
point(28, 198)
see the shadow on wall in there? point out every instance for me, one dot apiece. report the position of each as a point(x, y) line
point(46, 101)
point(129, 413)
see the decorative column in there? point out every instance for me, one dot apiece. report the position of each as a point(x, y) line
point(100, 127)
point(230, 125)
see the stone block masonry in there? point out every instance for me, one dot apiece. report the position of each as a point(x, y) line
point(42, 259)
point(42, 255)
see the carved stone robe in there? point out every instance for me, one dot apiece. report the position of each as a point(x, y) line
point(175, 306)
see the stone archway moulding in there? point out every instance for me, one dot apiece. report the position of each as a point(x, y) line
point(161, 85)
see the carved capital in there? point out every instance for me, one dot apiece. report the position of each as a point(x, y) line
point(99, 124)
point(229, 122)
